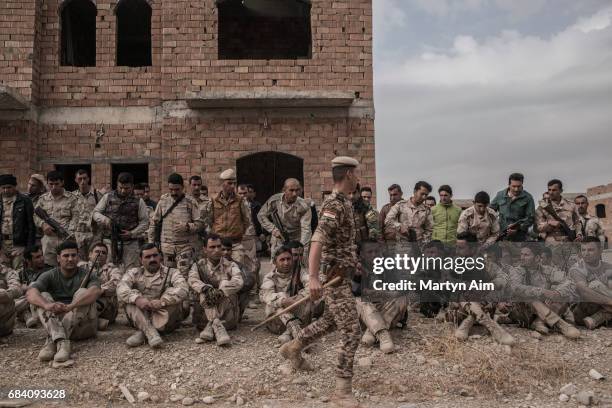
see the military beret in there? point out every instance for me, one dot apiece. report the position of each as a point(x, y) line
point(8, 179)
point(228, 174)
point(344, 161)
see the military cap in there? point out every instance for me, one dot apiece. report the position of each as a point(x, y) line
point(228, 174)
point(40, 178)
point(344, 161)
point(8, 179)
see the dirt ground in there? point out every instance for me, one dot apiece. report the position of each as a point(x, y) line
point(428, 369)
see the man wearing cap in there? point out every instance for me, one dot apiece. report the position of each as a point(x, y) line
point(231, 215)
point(333, 252)
point(16, 216)
point(179, 219)
point(61, 207)
point(37, 186)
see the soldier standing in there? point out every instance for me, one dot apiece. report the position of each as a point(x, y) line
point(205, 204)
point(153, 295)
point(249, 240)
point(36, 187)
point(10, 291)
point(16, 216)
point(88, 197)
point(333, 252)
point(65, 302)
point(61, 206)
point(480, 220)
point(217, 282)
point(366, 219)
point(293, 212)
point(591, 225)
point(231, 216)
point(109, 276)
point(33, 267)
point(127, 215)
point(412, 219)
point(177, 219)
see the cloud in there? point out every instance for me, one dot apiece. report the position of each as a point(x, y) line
point(443, 8)
point(472, 113)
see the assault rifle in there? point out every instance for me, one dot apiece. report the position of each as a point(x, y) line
point(279, 226)
point(57, 228)
point(116, 242)
point(85, 280)
point(571, 234)
point(512, 226)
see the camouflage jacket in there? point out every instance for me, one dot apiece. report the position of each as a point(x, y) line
point(138, 282)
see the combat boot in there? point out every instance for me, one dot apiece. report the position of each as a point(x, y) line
point(294, 328)
point(30, 320)
point(368, 338)
point(595, 320)
point(136, 339)
point(48, 350)
point(220, 333)
point(497, 332)
point(343, 394)
point(292, 351)
point(567, 329)
point(385, 341)
point(153, 337)
point(208, 334)
point(539, 326)
point(463, 331)
point(103, 324)
point(285, 337)
point(63, 351)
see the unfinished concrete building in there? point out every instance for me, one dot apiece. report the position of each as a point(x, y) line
point(274, 88)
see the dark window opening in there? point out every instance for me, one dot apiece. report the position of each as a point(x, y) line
point(133, 33)
point(267, 171)
point(69, 172)
point(78, 34)
point(600, 211)
point(140, 171)
point(264, 29)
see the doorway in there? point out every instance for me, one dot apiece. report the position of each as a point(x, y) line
point(267, 171)
point(69, 173)
point(140, 171)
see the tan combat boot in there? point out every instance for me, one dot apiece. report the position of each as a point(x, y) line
point(294, 328)
point(497, 332)
point(220, 333)
point(103, 324)
point(48, 350)
point(292, 351)
point(463, 331)
point(343, 394)
point(63, 351)
point(539, 326)
point(368, 338)
point(208, 334)
point(153, 337)
point(595, 320)
point(136, 339)
point(567, 329)
point(385, 341)
point(30, 320)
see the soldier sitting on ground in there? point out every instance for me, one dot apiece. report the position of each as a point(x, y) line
point(217, 281)
point(284, 285)
point(109, 276)
point(153, 295)
point(10, 289)
point(34, 266)
point(247, 278)
point(65, 301)
point(545, 291)
point(593, 278)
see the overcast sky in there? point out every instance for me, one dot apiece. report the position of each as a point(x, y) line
point(468, 91)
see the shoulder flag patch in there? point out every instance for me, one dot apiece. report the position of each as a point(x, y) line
point(329, 214)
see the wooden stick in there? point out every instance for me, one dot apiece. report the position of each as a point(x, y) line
point(296, 304)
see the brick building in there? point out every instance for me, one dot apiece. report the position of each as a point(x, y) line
point(275, 88)
point(600, 205)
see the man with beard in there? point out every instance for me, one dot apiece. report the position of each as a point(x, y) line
point(294, 214)
point(87, 198)
point(33, 267)
point(366, 219)
point(591, 225)
point(109, 276)
point(128, 215)
point(17, 220)
point(217, 281)
point(153, 295)
point(65, 302)
point(445, 217)
point(395, 196)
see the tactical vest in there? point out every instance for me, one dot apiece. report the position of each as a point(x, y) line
point(123, 211)
point(361, 226)
point(227, 219)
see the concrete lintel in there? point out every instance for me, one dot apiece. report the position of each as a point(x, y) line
point(269, 98)
point(106, 115)
point(11, 100)
point(93, 160)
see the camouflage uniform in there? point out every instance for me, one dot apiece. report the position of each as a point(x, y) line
point(205, 206)
point(177, 247)
point(249, 243)
point(9, 282)
point(378, 316)
point(295, 217)
point(109, 276)
point(336, 233)
point(563, 252)
point(528, 285)
point(11, 255)
point(22, 307)
point(274, 289)
point(485, 227)
point(84, 232)
point(416, 217)
point(224, 276)
point(591, 226)
point(366, 223)
point(129, 213)
point(231, 218)
point(138, 282)
point(62, 209)
point(597, 278)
